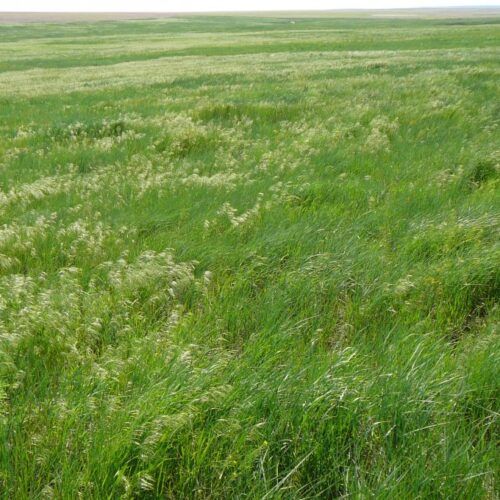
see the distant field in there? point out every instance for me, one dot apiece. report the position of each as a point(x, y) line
point(72, 17)
point(62, 17)
point(250, 256)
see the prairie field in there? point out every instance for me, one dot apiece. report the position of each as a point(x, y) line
point(250, 257)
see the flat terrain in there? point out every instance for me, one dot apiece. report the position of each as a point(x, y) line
point(72, 17)
point(250, 257)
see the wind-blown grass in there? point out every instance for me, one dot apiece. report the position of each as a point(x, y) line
point(245, 257)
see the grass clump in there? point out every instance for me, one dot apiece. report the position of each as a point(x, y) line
point(482, 170)
point(87, 131)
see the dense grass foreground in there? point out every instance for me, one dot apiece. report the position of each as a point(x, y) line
point(249, 258)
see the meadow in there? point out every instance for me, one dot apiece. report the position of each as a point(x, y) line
point(250, 257)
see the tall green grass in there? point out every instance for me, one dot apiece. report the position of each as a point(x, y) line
point(239, 261)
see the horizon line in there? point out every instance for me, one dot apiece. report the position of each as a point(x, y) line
point(349, 9)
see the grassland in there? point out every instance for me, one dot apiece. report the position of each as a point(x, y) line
point(250, 257)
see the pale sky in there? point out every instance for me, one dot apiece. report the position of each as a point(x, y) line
point(222, 5)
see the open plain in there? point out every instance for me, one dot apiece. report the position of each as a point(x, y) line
point(250, 257)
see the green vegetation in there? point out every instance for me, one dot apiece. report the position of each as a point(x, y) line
point(249, 257)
